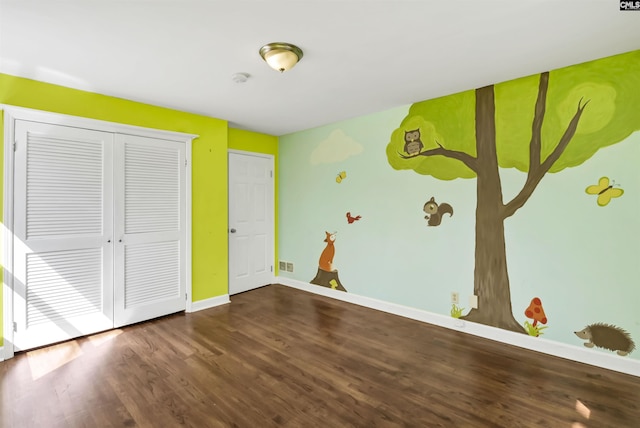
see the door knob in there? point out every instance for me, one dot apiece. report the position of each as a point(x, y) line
point(232, 230)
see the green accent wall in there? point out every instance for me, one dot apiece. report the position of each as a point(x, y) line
point(249, 141)
point(2, 216)
point(253, 142)
point(209, 163)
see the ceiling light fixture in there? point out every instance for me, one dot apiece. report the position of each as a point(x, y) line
point(281, 56)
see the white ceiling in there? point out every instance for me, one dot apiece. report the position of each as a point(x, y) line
point(360, 56)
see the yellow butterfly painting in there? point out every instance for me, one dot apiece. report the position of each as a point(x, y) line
point(341, 177)
point(605, 191)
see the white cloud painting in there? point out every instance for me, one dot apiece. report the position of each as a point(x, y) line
point(337, 147)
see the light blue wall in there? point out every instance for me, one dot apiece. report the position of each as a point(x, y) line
point(581, 260)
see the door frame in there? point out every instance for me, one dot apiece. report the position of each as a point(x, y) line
point(271, 206)
point(13, 113)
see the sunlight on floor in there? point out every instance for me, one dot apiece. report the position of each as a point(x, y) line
point(584, 412)
point(582, 409)
point(45, 360)
point(101, 338)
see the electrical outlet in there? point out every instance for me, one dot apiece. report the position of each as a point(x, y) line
point(289, 267)
point(455, 297)
point(473, 302)
point(282, 265)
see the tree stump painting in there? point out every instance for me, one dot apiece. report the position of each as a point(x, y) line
point(328, 279)
point(327, 276)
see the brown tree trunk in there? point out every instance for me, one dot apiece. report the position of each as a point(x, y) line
point(491, 280)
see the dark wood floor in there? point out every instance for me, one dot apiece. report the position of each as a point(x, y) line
point(277, 356)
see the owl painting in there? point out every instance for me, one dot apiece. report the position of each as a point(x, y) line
point(412, 143)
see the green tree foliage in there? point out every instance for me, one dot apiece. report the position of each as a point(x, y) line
point(610, 85)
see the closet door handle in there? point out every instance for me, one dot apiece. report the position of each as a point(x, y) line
point(232, 230)
point(109, 241)
point(119, 240)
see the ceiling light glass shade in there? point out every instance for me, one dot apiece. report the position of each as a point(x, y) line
point(281, 56)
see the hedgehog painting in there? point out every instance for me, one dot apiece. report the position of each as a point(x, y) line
point(607, 336)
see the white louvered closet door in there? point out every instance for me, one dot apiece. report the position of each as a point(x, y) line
point(63, 222)
point(150, 228)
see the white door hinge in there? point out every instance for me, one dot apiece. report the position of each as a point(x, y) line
point(272, 268)
point(15, 327)
point(15, 146)
point(185, 162)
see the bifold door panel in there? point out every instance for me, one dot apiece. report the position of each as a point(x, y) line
point(150, 226)
point(63, 262)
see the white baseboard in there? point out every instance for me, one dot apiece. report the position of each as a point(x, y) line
point(209, 303)
point(539, 344)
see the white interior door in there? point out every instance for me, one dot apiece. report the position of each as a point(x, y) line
point(150, 228)
point(63, 226)
point(251, 224)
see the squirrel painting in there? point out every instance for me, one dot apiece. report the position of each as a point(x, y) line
point(326, 258)
point(435, 212)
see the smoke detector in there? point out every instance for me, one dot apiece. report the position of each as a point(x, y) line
point(240, 77)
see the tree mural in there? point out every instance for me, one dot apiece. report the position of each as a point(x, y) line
point(539, 124)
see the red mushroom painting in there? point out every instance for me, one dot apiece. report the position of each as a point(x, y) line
point(536, 313)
